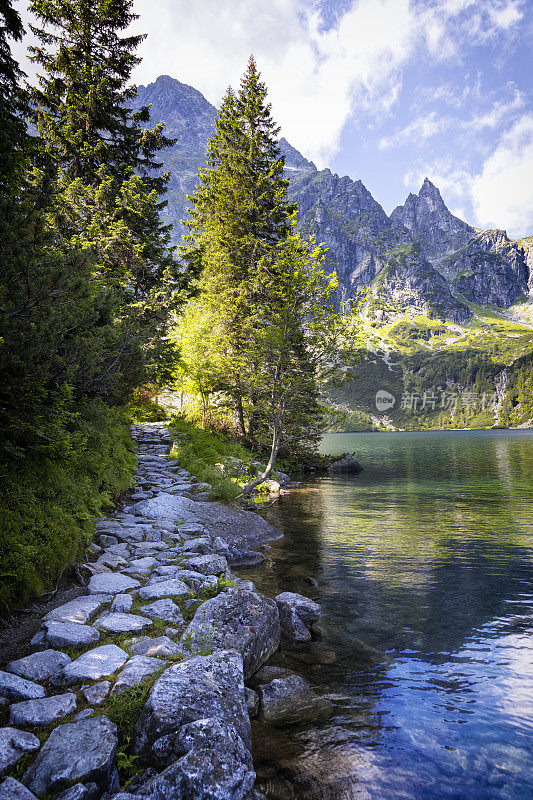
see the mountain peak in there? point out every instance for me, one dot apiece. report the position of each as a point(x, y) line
point(428, 218)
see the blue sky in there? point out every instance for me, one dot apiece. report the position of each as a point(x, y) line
point(387, 91)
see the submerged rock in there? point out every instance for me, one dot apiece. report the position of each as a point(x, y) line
point(290, 701)
point(237, 620)
point(297, 613)
point(347, 464)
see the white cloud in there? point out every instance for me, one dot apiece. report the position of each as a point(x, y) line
point(502, 194)
point(418, 130)
point(499, 111)
point(506, 14)
point(319, 77)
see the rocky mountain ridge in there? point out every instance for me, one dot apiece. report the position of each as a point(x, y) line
point(419, 260)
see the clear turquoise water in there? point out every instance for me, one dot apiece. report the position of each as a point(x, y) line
point(425, 571)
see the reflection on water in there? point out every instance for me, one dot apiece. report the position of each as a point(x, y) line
point(424, 564)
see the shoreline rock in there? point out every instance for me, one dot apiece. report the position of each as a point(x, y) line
point(159, 556)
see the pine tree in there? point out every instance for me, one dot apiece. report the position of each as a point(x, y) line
point(13, 100)
point(108, 185)
point(239, 212)
point(83, 99)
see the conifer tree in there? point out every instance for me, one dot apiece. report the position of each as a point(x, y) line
point(13, 100)
point(108, 188)
point(239, 212)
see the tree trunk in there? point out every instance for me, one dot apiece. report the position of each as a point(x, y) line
point(276, 438)
point(239, 418)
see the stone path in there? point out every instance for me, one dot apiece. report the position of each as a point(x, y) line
point(152, 572)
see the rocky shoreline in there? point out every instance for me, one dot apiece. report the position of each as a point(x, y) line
point(161, 612)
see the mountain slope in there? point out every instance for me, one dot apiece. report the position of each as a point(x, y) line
point(421, 259)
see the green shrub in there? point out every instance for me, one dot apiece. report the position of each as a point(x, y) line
point(199, 451)
point(48, 503)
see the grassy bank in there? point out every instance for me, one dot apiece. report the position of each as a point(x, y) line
point(48, 503)
point(213, 458)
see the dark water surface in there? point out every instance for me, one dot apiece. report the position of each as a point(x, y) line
point(425, 571)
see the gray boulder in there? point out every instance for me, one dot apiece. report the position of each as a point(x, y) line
point(17, 688)
point(101, 662)
point(80, 791)
point(165, 609)
point(201, 687)
point(81, 610)
point(161, 646)
point(10, 789)
point(230, 523)
point(78, 751)
point(122, 603)
point(290, 701)
point(39, 666)
point(116, 622)
point(242, 559)
point(203, 774)
point(69, 634)
point(13, 745)
point(167, 588)
point(41, 712)
point(201, 545)
point(111, 583)
point(252, 701)
point(140, 566)
point(97, 693)
point(208, 733)
point(297, 613)
point(136, 670)
point(237, 620)
point(111, 560)
point(206, 565)
point(346, 465)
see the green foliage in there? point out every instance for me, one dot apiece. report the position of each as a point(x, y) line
point(415, 355)
point(87, 282)
point(250, 339)
point(199, 452)
point(146, 411)
point(47, 511)
point(221, 585)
